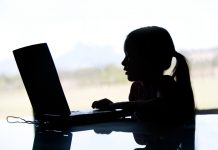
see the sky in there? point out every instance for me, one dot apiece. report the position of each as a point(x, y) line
point(63, 24)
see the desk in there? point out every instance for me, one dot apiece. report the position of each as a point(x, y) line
point(111, 136)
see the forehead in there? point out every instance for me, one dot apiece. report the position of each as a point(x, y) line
point(137, 50)
point(138, 45)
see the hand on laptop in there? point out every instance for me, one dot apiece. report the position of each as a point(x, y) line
point(103, 104)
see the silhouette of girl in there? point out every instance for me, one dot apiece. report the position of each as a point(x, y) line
point(153, 95)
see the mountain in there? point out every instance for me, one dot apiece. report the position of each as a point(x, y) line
point(82, 56)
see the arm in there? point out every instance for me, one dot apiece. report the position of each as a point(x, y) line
point(106, 104)
point(133, 105)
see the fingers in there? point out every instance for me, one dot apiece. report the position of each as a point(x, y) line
point(95, 104)
point(102, 104)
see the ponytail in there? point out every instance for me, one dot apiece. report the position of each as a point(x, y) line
point(182, 76)
point(181, 73)
point(181, 70)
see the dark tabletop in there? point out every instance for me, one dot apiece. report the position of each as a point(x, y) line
point(122, 135)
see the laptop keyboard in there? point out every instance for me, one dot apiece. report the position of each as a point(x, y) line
point(87, 111)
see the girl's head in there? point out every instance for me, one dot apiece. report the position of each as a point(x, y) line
point(149, 52)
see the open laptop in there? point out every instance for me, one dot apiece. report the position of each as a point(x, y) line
point(41, 80)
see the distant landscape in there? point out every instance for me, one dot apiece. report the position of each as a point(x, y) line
point(82, 85)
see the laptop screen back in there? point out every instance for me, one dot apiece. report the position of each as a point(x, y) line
point(41, 80)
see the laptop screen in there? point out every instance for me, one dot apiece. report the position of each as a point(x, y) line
point(41, 80)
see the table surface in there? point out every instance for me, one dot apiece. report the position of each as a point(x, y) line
point(122, 135)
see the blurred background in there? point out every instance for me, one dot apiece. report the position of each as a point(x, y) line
point(86, 41)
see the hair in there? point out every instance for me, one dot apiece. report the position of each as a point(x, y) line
point(156, 43)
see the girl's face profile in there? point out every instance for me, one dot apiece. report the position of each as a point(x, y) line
point(139, 66)
point(136, 67)
point(131, 67)
point(131, 62)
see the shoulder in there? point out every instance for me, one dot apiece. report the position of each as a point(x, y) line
point(137, 85)
point(136, 90)
point(168, 86)
point(168, 81)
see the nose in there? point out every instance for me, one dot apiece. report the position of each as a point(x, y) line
point(124, 61)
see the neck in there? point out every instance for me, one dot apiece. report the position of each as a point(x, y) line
point(153, 80)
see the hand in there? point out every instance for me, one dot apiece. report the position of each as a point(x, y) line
point(103, 104)
point(102, 131)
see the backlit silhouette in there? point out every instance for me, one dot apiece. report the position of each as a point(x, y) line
point(154, 96)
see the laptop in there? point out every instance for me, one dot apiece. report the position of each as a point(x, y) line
point(42, 84)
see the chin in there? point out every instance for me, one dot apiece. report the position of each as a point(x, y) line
point(131, 78)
